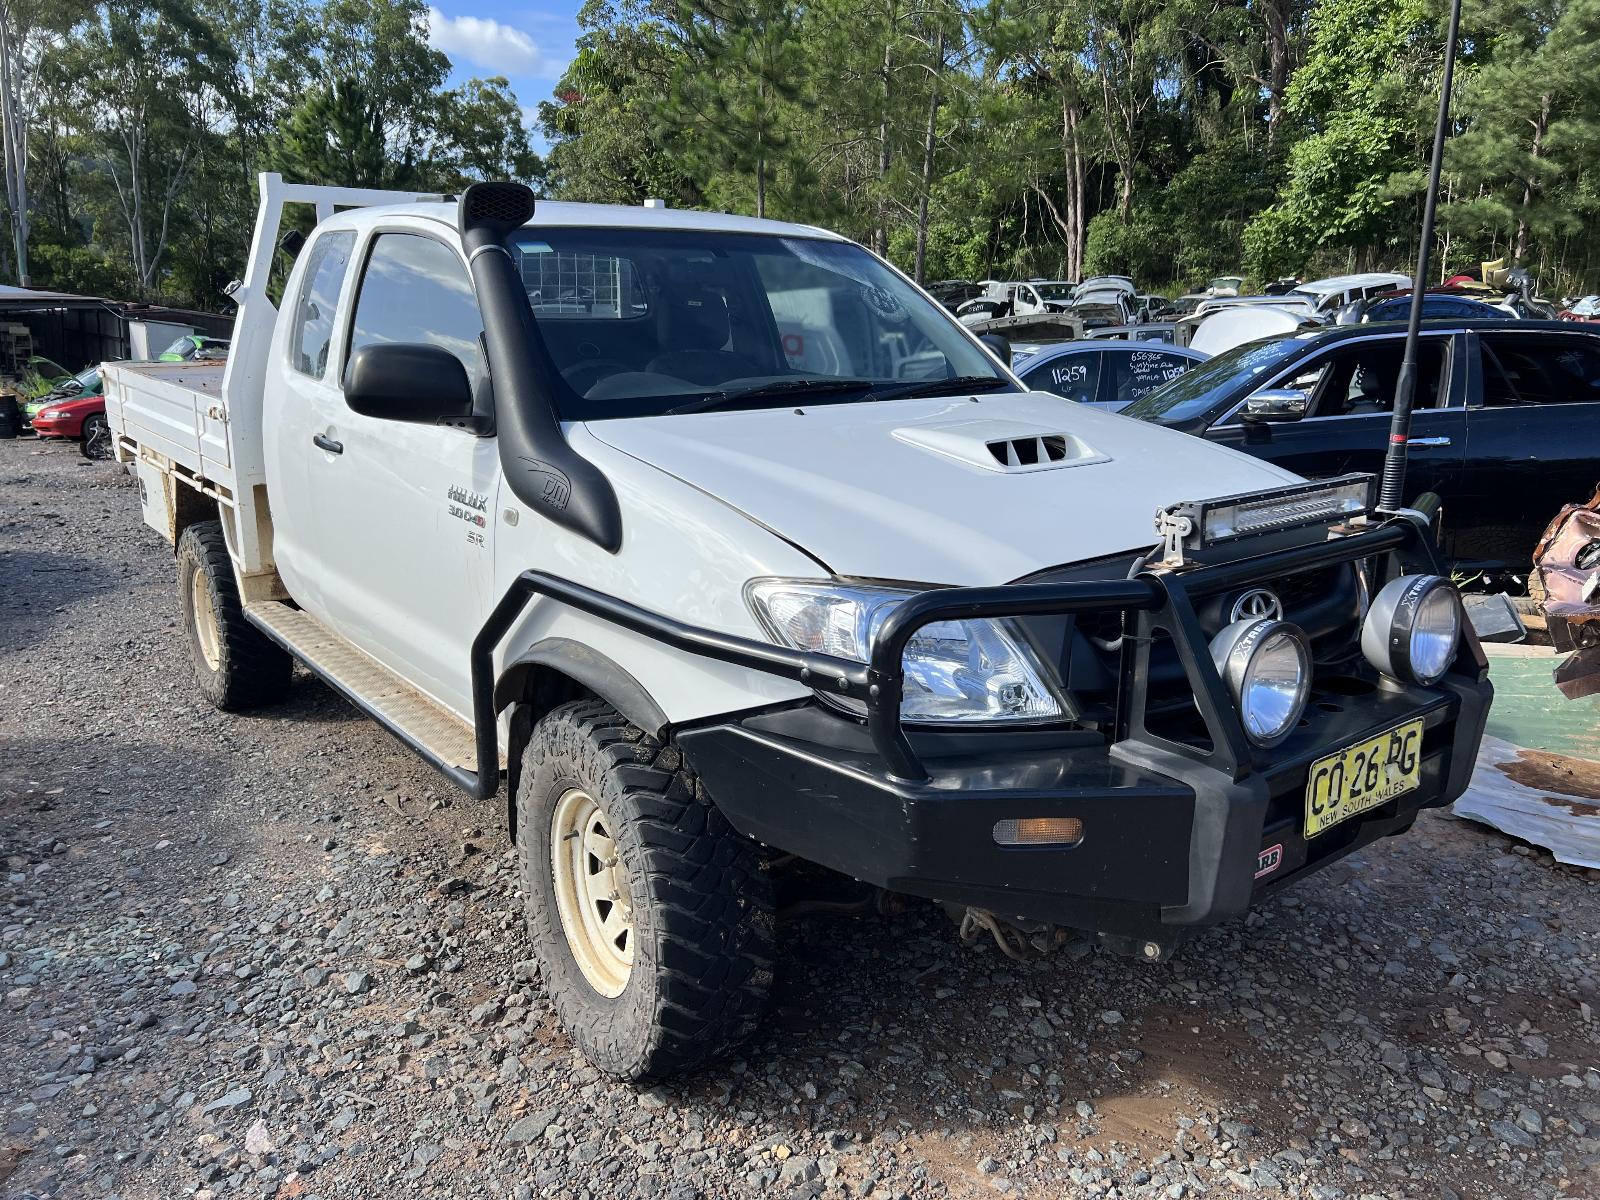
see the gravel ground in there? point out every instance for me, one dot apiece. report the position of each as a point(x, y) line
point(276, 956)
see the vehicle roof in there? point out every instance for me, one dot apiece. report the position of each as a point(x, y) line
point(1127, 345)
point(1334, 333)
point(1458, 293)
point(565, 213)
point(1212, 305)
point(1109, 332)
point(1340, 283)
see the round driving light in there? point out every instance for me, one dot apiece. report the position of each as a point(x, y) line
point(1412, 628)
point(1267, 668)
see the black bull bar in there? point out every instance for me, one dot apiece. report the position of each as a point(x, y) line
point(1151, 603)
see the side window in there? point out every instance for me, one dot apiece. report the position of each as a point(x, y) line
point(1559, 371)
point(1360, 380)
point(1305, 378)
point(416, 290)
point(1075, 376)
point(1133, 374)
point(1577, 368)
point(318, 302)
point(1498, 390)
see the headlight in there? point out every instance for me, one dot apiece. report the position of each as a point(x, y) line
point(48, 414)
point(1267, 667)
point(1412, 628)
point(955, 671)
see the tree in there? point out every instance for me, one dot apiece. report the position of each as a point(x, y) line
point(145, 73)
point(1044, 51)
point(737, 76)
point(1531, 105)
point(608, 143)
point(336, 136)
point(481, 132)
point(1362, 96)
point(27, 30)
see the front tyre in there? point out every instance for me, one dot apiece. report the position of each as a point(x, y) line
point(236, 666)
point(650, 915)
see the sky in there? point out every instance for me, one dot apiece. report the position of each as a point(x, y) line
point(529, 43)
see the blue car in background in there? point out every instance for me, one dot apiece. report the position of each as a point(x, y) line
point(1436, 305)
point(1108, 374)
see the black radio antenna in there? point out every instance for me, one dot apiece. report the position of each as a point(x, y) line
point(1394, 460)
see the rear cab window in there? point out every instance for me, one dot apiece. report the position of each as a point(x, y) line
point(317, 305)
point(565, 284)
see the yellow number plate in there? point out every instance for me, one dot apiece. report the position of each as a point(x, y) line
point(1362, 777)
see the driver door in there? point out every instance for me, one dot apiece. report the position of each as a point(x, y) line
point(408, 510)
point(1349, 391)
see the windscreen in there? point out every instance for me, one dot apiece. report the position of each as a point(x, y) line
point(641, 322)
point(1210, 384)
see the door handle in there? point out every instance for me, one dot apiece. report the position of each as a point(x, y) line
point(1437, 441)
point(323, 441)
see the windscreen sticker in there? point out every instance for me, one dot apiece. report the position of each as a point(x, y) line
point(883, 302)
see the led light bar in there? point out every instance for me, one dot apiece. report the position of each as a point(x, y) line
point(1196, 524)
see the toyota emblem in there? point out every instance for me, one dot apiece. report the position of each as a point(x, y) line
point(1258, 604)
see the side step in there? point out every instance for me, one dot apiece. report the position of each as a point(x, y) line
point(441, 737)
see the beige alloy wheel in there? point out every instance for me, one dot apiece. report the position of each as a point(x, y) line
point(592, 896)
point(205, 621)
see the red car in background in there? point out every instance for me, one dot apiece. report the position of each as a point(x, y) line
point(81, 416)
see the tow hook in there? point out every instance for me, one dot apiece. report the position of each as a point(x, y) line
point(1144, 949)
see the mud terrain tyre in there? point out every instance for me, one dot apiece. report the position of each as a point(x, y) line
point(235, 665)
point(651, 916)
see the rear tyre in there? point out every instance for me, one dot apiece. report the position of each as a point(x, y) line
point(650, 915)
point(235, 665)
point(96, 443)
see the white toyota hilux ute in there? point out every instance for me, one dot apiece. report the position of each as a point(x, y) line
point(728, 546)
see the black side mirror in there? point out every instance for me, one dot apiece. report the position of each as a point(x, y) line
point(408, 381)
point(1000, 345)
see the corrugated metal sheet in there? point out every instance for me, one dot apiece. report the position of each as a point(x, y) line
point(1566, 825)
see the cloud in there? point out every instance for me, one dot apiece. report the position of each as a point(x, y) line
point(485, 42)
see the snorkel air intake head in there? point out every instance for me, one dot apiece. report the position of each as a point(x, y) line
point(543, 471)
